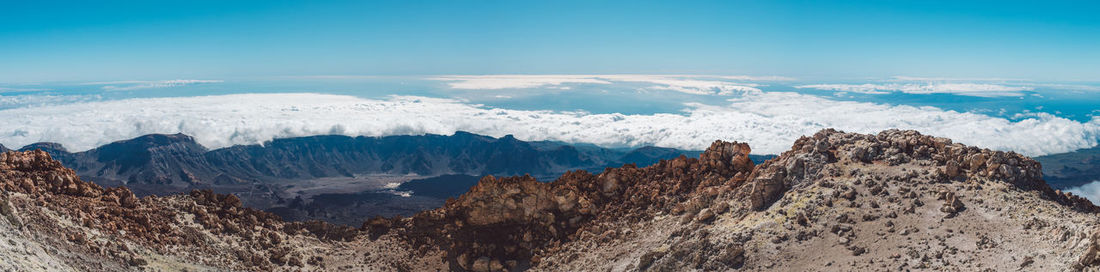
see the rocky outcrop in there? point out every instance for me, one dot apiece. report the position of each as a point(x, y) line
point(810, 157)
point(1091, 257)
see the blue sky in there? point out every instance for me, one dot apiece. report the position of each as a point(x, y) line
point(133, 40)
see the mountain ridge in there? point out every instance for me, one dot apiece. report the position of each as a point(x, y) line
point(348, 176)
point(178, 160)
point(1071, 169)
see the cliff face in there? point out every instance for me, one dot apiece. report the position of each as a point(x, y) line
point(897, 200)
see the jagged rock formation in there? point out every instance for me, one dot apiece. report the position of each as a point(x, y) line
point(897, 200)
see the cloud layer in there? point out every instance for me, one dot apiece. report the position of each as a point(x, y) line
point(691, 84)
point(138, 84)
point(15, 101)
point(770, 122)
point(968, 89)
point(1091, 191)
point(496, 82)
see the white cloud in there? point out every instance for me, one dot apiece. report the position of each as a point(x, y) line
point(968, 89)
point(334, 77)
point(139, 84)
point(496, 82)
point(17, 90)
point(688, 85)
point(1091, 191)
point(692, 84)
point(754, 78)
point(770, 122)
point(16, 101)
point(985, 79)
point(846, 88)
point(1071, 87)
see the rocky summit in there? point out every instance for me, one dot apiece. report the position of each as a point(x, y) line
point(835, 201)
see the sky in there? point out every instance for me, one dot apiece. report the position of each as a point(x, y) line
point(68, 41)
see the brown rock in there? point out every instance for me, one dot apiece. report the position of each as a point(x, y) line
point(951, 169)
point(951, 204)
point(705, 216)
point(1091, 256)
point(483, 264)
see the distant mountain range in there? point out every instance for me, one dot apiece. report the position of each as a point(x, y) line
point(273, 175)
point(1071, 169)
point(178, 160)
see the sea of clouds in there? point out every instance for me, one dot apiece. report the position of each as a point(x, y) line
point(1091, 191)
point(690, 84)
point(967, 89)
point(768, 121)
point(130, 85)
point(735, 85)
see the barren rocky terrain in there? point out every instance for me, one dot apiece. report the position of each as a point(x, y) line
point(836, 201)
